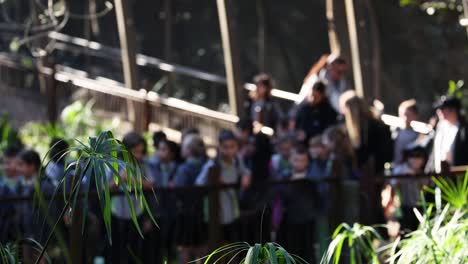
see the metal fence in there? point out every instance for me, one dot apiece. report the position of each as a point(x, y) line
point(296, 214)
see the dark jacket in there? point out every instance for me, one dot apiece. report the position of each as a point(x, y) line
point(460, 150)
point(266, 112)
point(376, 143)
point(314, 119)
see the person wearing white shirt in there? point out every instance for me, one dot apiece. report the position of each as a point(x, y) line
point(450, 139)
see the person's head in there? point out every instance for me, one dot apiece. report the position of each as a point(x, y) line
point(317, 150)
point(167, 151)
point(263, 85)
point(244, 130)
point(337, 68)
point(285, 146)
point(416, 158)
point(158, 136)
point(10, 161)
point(228, 145)
point(317, 93)
point(29, 163)
point(449, 109)
point(189, 131)
point(408, 111)
point(300, 159)
point(356, 111)
point(58, 147)
point(193, 147)
point(282, 128)
point(136, 144)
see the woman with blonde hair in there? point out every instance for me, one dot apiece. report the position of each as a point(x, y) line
point(373, 147)
point(369, 136)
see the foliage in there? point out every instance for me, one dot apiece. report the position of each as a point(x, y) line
point(270, 253)
point(440, 237)
point(101, 163)
point(77, 121)
point(10, 253)
point(358, 240)
point(8, 136)
point(98, 164)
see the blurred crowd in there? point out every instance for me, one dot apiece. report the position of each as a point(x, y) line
point(332, 133)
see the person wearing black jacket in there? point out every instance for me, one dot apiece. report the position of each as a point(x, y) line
point(315, 114)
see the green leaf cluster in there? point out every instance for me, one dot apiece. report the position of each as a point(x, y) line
point(440, 238)
point(268, 253)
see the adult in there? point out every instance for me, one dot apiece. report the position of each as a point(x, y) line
point(405, 136)
point(372, 144)
point(450, 140)
point(370, 137)
point(315, 114)
point(264, 109)
point(334, 75)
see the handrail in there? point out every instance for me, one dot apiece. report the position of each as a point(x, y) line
point(223, 186)
point(78, 77)
point(141, 95)
point(99, 50)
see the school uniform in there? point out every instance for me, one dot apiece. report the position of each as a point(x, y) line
point(190, 227)
point(6, 215)
point(160, 242)
point(32, 221)
point(228, 198)
point(300, 209)
point(125, 236)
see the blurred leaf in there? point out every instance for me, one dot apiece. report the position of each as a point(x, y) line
point(452, 88)
point(15, 44)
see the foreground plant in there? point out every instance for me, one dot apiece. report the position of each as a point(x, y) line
point(10, 253)
point(268, 253)
point(440, 238)
point(357, 239)
point(99, 163)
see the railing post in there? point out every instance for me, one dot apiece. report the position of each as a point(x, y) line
point(48, 86)
point(214, 229)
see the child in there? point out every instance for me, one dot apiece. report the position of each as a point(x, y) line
point(280, 165)
point(7, 187)
point(320, 166)
point(29, 218)
point(232, 170)
point(297, 228)
point(124, 233)
point(161, 171)
point(190, 233)
point(56, 167)
point(10, 167)
point(415, 158)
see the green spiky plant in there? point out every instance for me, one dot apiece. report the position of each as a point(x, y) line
point(440, 237)
point(268, 253)
point(101, 157)
point(10, 253)
point(358, 239)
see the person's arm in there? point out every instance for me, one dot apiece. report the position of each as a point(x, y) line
point(202, 178)
point(246, 176)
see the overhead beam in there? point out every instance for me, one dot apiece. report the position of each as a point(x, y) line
point(231, 55)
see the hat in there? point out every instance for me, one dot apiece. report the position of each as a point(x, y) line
point(449, 101)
